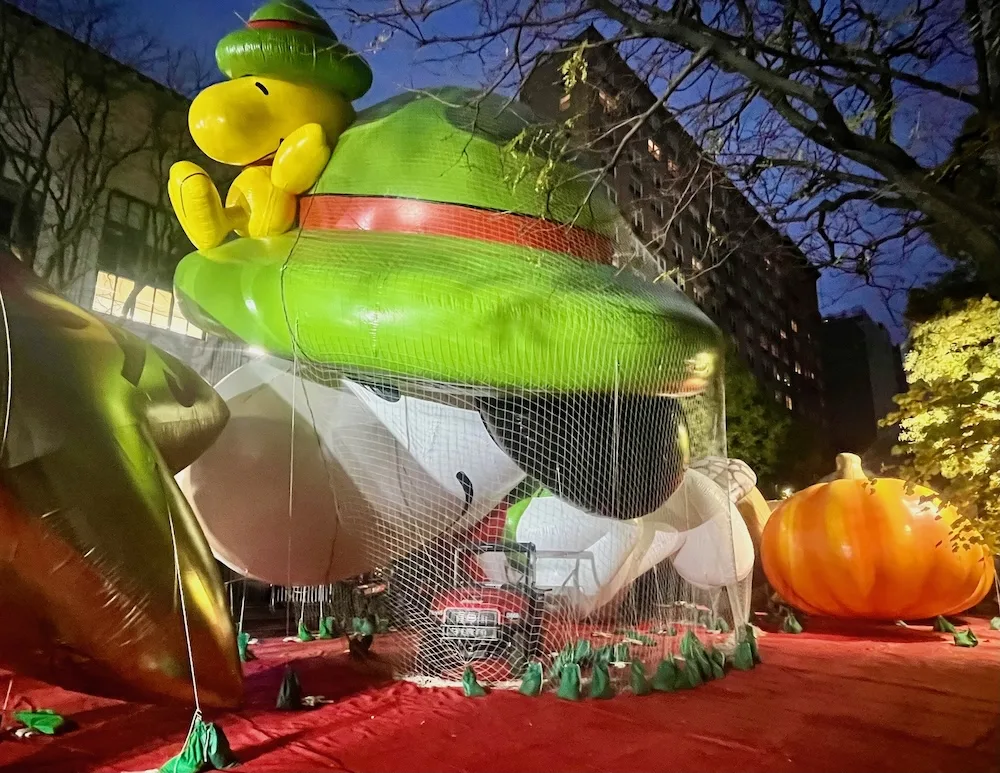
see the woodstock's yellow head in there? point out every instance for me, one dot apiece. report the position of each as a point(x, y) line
point(245, 120)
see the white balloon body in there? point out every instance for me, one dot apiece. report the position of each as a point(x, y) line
point(587, 560)
point(366, 480)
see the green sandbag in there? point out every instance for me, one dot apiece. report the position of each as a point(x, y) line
point(750, 636)
point(206, 748)
point(290, 692)
point(717, 662)
point(743, 659)
point(721, 626)
point(693, 652)
point(600, 683)
point(362, 626)
point(622, 653)
point(604, 655)
point(243, 645)
point(995, 624)
point(966, 638)
point(304, 634)
point(325, 628)
point(470, 685)
point(637, 678)
point(569, 682)
point(43, 721)
point(531, 683)
point(665, 678)
point(942, 625)
point(791, 624)
point(582, 652)
point(690, 676)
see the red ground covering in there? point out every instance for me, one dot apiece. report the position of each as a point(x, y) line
point(882, 698)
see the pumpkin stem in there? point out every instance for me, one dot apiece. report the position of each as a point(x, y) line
point(849, 467)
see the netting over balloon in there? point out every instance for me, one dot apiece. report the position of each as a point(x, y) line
point(471, 389)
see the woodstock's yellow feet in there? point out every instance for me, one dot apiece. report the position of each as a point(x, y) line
point(198, 207)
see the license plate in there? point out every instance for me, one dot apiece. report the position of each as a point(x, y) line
point(471, 632)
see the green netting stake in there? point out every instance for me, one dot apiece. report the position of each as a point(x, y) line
point(600, 683)
point(44, 721)
point(637, 678)
point(206, 748)
point(304, 634)
point(665, 678)
point(243, 646)
point(531, 683)
point(743, 659)
point(290, 692)
point(966, 638)
point(791, 624)
point(942, 625)
point(995, 624)
point(325, 628)
point(470, 685)
point(569, 682)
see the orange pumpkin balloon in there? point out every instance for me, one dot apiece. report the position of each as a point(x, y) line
point(857, 549)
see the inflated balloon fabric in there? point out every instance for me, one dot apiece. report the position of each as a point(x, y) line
point(96, 421)
point(483, 397)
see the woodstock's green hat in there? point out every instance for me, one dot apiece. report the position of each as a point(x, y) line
point(288, 40)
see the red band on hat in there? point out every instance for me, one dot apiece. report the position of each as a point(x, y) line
point(329, 212)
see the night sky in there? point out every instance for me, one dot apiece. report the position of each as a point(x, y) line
point(201, 23)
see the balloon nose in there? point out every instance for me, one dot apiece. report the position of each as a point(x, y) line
point(229, 125)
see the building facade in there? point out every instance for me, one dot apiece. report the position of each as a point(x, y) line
point(698, 228)
point(864, 372)
point(86, 144)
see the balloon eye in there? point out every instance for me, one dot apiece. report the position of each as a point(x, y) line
point(261, 86)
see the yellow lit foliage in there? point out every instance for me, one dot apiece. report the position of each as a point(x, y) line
point(950, 417)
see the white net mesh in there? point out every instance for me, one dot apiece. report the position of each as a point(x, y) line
point(484, 403)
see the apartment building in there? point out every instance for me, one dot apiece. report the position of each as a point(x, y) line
point(85, 147)
point(699, 229)
point(865, 371)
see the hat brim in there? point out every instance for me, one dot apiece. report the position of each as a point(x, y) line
point(448, 309)
point(299, 56)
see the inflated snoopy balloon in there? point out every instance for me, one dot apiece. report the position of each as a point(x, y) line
point(446, 311)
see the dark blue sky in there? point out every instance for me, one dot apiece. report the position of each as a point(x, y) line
point(201, 23)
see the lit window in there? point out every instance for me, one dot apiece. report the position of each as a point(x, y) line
point(564, 102)
point(795, 326)
point(637, 220)
point(671, 165)
point(788, 402)
point(654, 149)
point(697, 264)
point(777, 396)
point(153, 306)
point(798, 368)
point(784, 335)
point(609, 102)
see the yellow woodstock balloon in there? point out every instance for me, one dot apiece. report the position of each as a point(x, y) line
point(287, 100)
point(96, 422)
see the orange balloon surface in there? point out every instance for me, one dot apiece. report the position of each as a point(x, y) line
point(858, 549)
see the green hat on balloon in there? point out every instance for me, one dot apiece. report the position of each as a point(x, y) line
point(288, 40)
